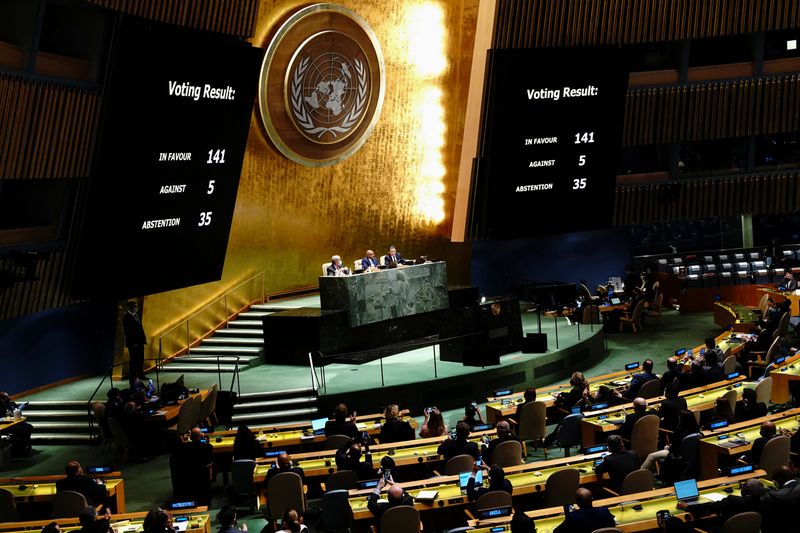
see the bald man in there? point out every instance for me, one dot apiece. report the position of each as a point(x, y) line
point(284, 464)
point(190, 466)
point(395, 496)
point(639, 410)
point(370, 261)
point(767, 431)
point(94, 491)
point(586, 518)
point(503, 435)
point(750, 500)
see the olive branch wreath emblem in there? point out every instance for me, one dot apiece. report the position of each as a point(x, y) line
point(304, 118)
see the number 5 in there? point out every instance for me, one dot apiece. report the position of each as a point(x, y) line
point(581, 160)
point(211, 186)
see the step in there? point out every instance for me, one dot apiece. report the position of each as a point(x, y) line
point(235, 332)
point(246, 324)
point(250, 315)
point(273, 307)
point(301, 414)
point(54, 438)
point(51, 427)
point(226, 350)
point(224, 360)
point(47, 404)
point(66, 413)
point(226, 340)
point(264, 395)
point(179, 369)
point(268, 404)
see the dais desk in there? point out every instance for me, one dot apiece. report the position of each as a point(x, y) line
point(168, 413)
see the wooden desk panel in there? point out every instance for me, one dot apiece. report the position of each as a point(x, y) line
point(169, 413)
point(45, 492)
point(199, 522)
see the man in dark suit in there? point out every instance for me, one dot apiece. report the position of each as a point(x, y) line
point(459, 445)
point(618, 464)
point(779, 506)
point(503, 435)
point(395, 496)
point(750, 500)
point(341, 423)
point(673, 373)
point(669, 409)
point(336, 268)
point(639, 410)
point(587, 518)
point(193, 466)
point(94, 491)
point(284, 465)
point(348, 457)
point(135, 339)
point(640, 379)
point(370, 261)
point(789, 283)
point(767, 431)
point(497, 481)
point(227, 520)
point(393, 256)
point(712, 371)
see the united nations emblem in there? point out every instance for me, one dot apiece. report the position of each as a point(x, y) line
point(322, 85)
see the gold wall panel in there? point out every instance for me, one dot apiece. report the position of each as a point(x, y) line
point(398, 189)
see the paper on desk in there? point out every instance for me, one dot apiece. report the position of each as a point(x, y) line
point(361, 425)
point(161, 412)
point(713, 496)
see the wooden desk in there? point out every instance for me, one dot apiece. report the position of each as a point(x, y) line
point(293, 434)
point(699, 399)
point(199, 522)
point(8, 423)
point(783, 295)
point(627, 518)
point(712, 447)
point(782, 375)
point(168, 413)
point(736, 316)
point(410, 452)
point(525, 479)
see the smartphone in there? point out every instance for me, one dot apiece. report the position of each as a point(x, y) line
point(387, 474)
point(479, 461)
point(365, 436)
point(428, 410)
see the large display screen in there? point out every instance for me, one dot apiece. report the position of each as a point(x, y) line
point(176, 114)
point(551, 142)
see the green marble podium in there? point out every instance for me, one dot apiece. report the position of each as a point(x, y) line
point(386, 294)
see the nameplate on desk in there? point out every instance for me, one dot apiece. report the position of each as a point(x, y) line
point(503, 392)
point(631, 366)
point(273, 453)
point(744, 469)
point(718, 425)
point(455, 501)
point(780, 360)
point(482, 427)
point(732, 375)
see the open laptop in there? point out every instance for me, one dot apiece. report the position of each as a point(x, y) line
point(318, 426)
point(615, 301)
point(686, 491)
point(463, 479)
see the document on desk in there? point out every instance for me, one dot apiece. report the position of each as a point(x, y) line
point(713, 496)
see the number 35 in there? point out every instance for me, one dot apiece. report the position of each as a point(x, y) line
point(579, 183)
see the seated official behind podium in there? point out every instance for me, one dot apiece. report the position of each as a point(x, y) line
point(93, 489)
point(370, 262)
point(789, 283)
point(21, 432)
point(393, 257)
point(341, 423)
point(336, 268)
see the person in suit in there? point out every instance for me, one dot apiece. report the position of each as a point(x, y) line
point(90, 523)
point(640, 379)
point(503, 435)
point(395, 496)
point(227, 520)
point(94, 490)
point(522, 523)
point(393, 257)
point(284, 464)
point(342, 424)
point(618, 464)
point(778, 506)
point(157, 521)
point(370, 261)
point(528, 396)
point(458, 445)
point(394, 428)
point(336, 268)
point(789, 283)
point(348, 457)
point(194, 460)
point(687, 425)
point(673, 373)
point(579, 389)
point(639, 410)
point(712, 370)
point(586, 518)
point(750, 500)
point(669, 409)
point(749, 408)
point(135, 339)
point(245, 444)
point(497, 481)
point(20, 432)
point(767, 432)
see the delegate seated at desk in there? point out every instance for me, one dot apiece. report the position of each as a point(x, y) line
point(370, 261)
point(394, 257)
point(788, 283)
point(336, 268)
point(76, 481)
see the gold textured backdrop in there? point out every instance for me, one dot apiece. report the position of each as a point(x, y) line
point(398, 189)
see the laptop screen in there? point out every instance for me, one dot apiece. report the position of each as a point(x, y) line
point(318, 425)
point(615, 301)
point(686, 490)
point(463, 478)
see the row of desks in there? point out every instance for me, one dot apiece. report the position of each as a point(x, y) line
point(37, 489)
point(198, 521)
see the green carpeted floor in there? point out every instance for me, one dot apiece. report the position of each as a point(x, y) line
point(147, 485)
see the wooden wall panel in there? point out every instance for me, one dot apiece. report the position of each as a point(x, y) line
point(232, 17)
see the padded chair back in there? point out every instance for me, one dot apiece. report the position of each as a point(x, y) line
point(775, 453)
point(749, 522)
point(383, 260)
point(336, 513)
point(644, 437)
point(659, 301)
point(8, 509)
point(334, 442)
point(495, 498)
point(341, 480)
point(325, 268)
point(533, 421)
point(585, 292)
point(638, 481)
point(570, 434)
point(689, 451)
point(188, 415)
point(637, 312)
point(242, 477)
point(591, 314)
point(119, 435)
point(764, 390)
point(783, 325)
point(561, 486)
point(458, 464)
point(285, 490)
point(773, 348)
point(762, 304)
point(729, 364)
point(68, 504)
point(650, 389)
point(730, 397)
point(209, 405)
point(400, 519)
point(508, 453)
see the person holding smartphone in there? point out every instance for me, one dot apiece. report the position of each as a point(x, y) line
point(395, 496)
point(433, 425)
point(497, 481)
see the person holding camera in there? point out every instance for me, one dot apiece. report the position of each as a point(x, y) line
point(458, 445)
point(472, 416)
point(395, 496)
point(586, 518)
point(348, 457)
point(433, 425)
point(503, 435)
point(497, 481)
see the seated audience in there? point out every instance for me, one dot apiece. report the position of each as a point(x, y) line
point(603, 394)
point(90, 523)
point(394, 428)
point(20, 433)
point(157, 521)
point(687, 425)
point(348, 457)
point(672, 374)
point(93, 489)
point(618, 464)
point(497, 481)
point(342, 424)
point(749, 501)
point(191, 466)
point(246, 445)
point(586, 518)
point(639, 410)
point(522, 523)
point(575, 394)
point(640, 379)
point(336, 268)
point(503, 434)
point(722, 412)
point(779, 507)
point(712, 370)
point(285, 464)
point(472, 416)
point(52, 527)
point(749, 408)
point(670, 407)
point(292, 521)
point(395, 496)
point(712, 348)
point(767, 432)
point(227, 520)
point(528, 396)
point(434, 425)
point(458, 445)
